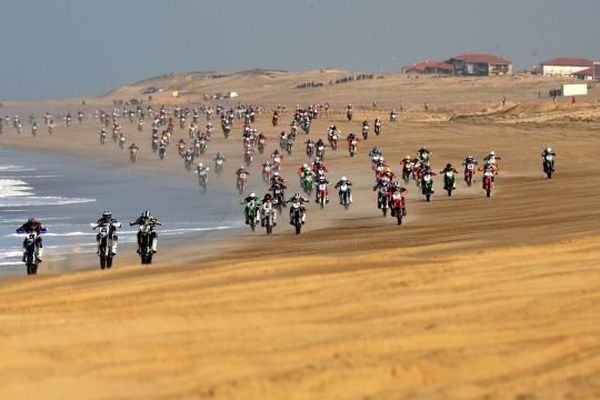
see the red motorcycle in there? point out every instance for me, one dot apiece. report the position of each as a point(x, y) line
point(488, 182)
point(398, 206)
point(242, 182)
point(469, 173)
point(321, 193)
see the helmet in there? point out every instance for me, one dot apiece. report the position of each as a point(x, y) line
point(321, 177)
point(242, 167)
point(344, 179)
point(448, 165)
point(146, 214)
point(276, 173)
point(252, 195)
point(106, 214)
point(492, 153)
point(317, 159)
point(407, 157)
point(304, 165)
point(31, 220)
point(549, 149)
point(200, 165)
point(470, 156)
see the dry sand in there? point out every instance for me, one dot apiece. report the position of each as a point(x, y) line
point(471, 298)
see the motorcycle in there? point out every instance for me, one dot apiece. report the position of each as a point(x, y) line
point(488, 182)
point(548, 165)
point(449, 180)
point(322, 194)
point(320, 152)
point(469, 173)
point(154, 145)
point(427, 186)
point(105, 246)
point(365, 132)
point(103, 138)
point(349, 115)
point(32, 251)
point(310, 149)
point(261, 145)
point(288, 145)
point(267, 173)
point(133, 154)
point(122, 142)
point(275, 119)
point(278, 197)
point(188, 160)
point(344, 192)
point(407, 171)
point(307, 183)
point(333, 140)
point(202, 179)
point(377, 127)
point(397, 205)
point(296, 216)
point(383, 200)
point(242, 182)
point(218, 166)
point(352, 146)
point(147, 242)
point(248, 157)
point(267, 218)
point(161, 152)
point(253, 215)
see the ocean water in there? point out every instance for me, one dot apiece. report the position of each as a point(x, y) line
point(68, 193)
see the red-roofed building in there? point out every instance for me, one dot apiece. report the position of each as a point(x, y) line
point(429, 67)
point(476, 64)
point(565, 66)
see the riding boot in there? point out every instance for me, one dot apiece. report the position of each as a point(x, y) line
point(97, 247)
point(39, 254)
point(154, 244)
point(24, 255)
point(113, 248)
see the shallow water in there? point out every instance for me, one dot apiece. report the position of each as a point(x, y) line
point(68, 193)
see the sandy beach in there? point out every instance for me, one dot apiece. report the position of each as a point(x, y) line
point(470, 298)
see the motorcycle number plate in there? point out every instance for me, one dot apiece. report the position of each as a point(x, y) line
point(449, 174)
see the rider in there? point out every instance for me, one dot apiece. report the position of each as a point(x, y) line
point(266, 209)
point(548, 152)
point(133, 147)
point(450, 168)
point(423, 154)
point(219, 156)
point(251, 198)
point(147, 219)
point(338, 185)
point(107, 220)
point(375, 153)
point(33, 225)
point(201, 169)
point(297, 198)
point(322, 180)
point(491, 159)
point(469, 159)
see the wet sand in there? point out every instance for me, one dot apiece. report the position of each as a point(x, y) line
point(470, 298)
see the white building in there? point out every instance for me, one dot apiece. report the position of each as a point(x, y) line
point(565, 66)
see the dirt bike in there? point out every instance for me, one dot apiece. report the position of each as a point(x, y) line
point(377, 128)
point(103, 138)
point(253, 215)
point(226, 130)
point(322, 194)
point(219, 166)
point(278, 197)
point(202, 179)
point(488, 182)
point(407, 171)
point(344, 192)
point(383, 200)
point(30, 245)
point(469, 173)
point(275, 119)
point(161, 152)
point(261, 145)
point(296, 216)
point(310, 149)
point(548, 165)
point(352, 146)
point(188, 160)
point(427, 186)
point(349, 115)
point(122, 142)
point(242, 182)
point(105, 247)
point(267, 173)
point(154, 145)
point(133, 154)
point(449, 180)
point(365, 132)
point(333, 141)
point(288, 146)
point(146, 251)
point(248, 158)
point(393, 117)
point(397, 206)
point(307, 183)
point(268, 219)
point(320, 152)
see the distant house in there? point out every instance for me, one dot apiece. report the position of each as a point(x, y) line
point(565, 66)
point(480, 65)
point(429, 67)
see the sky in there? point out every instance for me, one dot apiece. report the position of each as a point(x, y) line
point(63, 48)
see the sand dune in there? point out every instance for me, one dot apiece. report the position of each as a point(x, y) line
point(470, 298)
